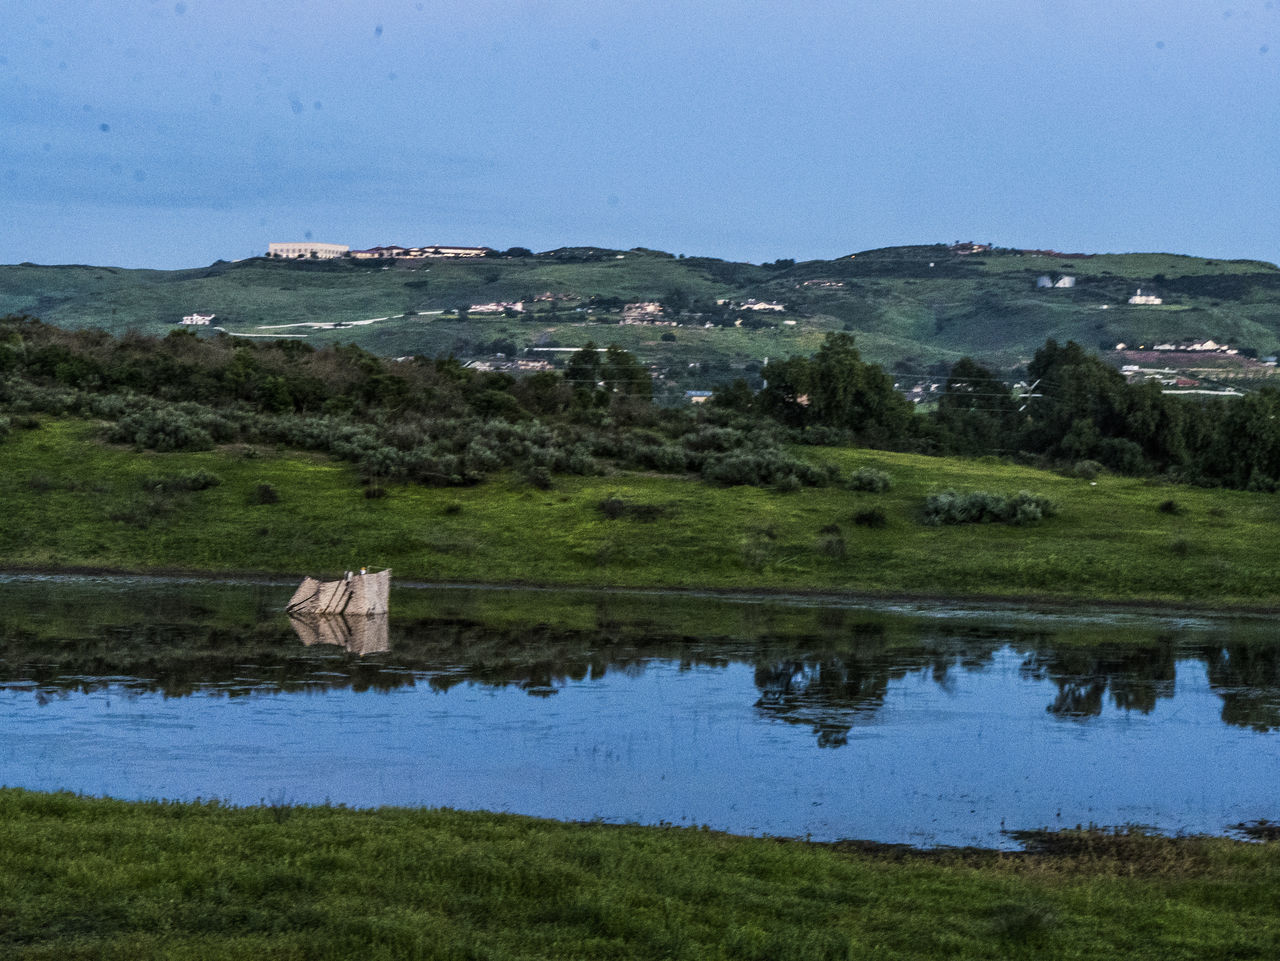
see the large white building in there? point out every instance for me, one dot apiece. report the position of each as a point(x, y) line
point(308, 250)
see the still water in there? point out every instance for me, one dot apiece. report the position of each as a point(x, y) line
point(922, 724)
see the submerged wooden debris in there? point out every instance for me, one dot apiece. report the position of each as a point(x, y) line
point(351, 612)
point(354, 594)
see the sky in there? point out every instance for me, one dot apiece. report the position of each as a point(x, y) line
point(154, 133)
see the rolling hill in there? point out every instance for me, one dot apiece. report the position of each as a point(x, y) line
point(908, 306)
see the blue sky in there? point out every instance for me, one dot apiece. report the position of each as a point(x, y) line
point(166, 134)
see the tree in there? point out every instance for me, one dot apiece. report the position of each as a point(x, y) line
point(582, 372)
point(785, 395)
point(976, 413)
point(845, 392)
point(623, 374)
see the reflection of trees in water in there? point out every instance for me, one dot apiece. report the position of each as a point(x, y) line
point(822, 693)
point(1135, 677)
point(1247, 678)
point(831, 690)
point(826, 669)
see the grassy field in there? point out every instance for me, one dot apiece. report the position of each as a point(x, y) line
point(72, 501)
point(100, 879)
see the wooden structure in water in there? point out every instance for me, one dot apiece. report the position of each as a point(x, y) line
point(355, 594)
point(350, 613)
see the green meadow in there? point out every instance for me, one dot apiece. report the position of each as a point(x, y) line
point(83, 878)
point(72, 501)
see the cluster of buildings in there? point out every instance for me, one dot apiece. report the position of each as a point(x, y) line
point(1205, 346)
point(645, 312)
point(497, 308)
point(314, 251)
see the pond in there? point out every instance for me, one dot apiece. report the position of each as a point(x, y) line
point(914, 723)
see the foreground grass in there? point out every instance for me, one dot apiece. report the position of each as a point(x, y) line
point(84, 878)
point(71, 501)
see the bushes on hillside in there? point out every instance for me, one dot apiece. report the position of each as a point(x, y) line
point(983, 507)
point(869, 479)
point(162, 428)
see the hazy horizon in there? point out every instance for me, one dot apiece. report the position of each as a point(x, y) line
point(173, 134)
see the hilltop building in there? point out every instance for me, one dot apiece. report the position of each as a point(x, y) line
point(419, 253)
point(307, 249)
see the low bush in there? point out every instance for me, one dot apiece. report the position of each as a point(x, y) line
point(162, 429)
point(614, 507)
point(171, 483)
point(869, 479)
point(264, 494)
point(539, 477)
point(871, 517)
point(1086, 469)
point(833, 546)
point(983, 507)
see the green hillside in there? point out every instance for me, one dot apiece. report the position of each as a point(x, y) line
point(908, 305)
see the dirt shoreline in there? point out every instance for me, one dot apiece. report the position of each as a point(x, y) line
point(1048, 602)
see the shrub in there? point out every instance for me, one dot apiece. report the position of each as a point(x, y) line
point(872, 517)
point(833, 546)
point(1086, 469)
point(162, 429)
point(264, 494)
point(983, 507)
point(613, 507)
point(171, 483)
point(538, 477)
point(869, 479)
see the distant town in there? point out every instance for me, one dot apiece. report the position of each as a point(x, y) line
point(1185, 366)
point(307, 250)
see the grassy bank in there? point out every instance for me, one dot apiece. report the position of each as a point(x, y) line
point(71, 501)
point(101, 879)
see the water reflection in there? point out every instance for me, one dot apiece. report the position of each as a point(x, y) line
point(827, 668)
point(929, 725)
point(357, 634)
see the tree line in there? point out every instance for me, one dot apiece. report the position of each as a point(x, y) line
point(1082, 414)
point(431, 420)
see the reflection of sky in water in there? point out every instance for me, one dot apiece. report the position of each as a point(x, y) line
point(935, 763)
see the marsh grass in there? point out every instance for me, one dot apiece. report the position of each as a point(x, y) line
point(85, 878)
